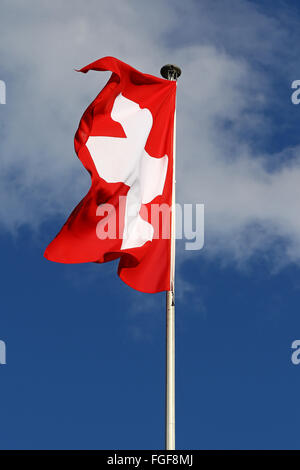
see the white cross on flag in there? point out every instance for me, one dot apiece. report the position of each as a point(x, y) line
point(125, 141)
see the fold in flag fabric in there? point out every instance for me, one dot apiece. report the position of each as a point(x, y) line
point(125, 141)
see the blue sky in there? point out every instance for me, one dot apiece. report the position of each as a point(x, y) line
point(85, 353)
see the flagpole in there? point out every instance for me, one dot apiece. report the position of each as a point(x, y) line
point(171, 72)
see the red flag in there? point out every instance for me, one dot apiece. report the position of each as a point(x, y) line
point(125, 141)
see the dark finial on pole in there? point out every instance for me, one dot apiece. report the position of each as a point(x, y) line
point(170, 72)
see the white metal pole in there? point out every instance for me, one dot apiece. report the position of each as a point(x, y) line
point(171, 72)
point(170, 372)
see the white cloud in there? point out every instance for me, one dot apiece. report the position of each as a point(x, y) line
point(230, 55)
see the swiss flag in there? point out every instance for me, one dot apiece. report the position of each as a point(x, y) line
point(125, 141)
